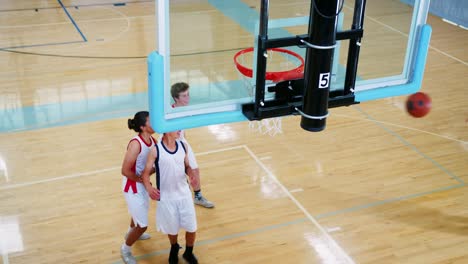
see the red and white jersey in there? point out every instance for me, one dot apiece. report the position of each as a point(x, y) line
point(145, 149)
point(140, 163)
point(170, 172)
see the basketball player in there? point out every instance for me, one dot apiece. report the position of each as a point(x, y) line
point(133, 189)
point(181, 96)
point(175, 206)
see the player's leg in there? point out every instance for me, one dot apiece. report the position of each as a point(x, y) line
point(190, 242)
point(138, 205)
point(134, 234)
point(143, 236)
point(167, 221)
point(189, 223)
point(195, 172)
point(174, 253)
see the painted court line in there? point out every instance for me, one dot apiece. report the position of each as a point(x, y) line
point(334, 248)
point(387, 201)
point(122, 16)
point(117, 64)
point(219, 150)
point(296, 190)
point(448, 55)
point(71, 19)
point(400, 126)
point(43, 45)
point(73, 6)
point(320, 216)
point(406, 35)
point(105, 4)
point(401, 198)
point(223, 238)
point(251, 232)
point(334, 229)
point(78, 20)
point(76, 175)
point(435, 163)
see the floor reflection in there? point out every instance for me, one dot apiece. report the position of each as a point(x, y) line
point(11, 239)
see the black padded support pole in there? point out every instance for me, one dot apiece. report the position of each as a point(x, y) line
point(319, 57)
point(261, 58)
point(354, 48)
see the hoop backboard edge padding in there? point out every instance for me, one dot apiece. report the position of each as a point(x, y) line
point(156, 104)
point(416, 76)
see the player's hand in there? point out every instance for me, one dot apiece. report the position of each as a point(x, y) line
point(154, 193)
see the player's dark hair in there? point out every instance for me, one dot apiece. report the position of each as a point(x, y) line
point(138, 121)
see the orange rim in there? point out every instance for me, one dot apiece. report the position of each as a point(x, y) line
point(278, 76)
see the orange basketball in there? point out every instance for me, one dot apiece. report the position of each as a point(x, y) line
point(418, 104)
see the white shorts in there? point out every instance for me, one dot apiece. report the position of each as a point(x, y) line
point(138, 204)
point(172, 215)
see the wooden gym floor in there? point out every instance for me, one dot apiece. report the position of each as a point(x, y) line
point(377, 186)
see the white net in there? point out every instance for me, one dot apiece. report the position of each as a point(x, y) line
point(269, 126)
point(277, 63)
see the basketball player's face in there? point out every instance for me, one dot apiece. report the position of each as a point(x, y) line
point(148, 126)
point(184, 98)
point(174, 134)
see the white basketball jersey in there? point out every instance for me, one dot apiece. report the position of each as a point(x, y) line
point(145, 149)
point(182, 136)
point(170, 173)
point(139, 165)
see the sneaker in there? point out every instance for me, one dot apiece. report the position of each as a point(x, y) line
point(190, 258)
point(174, 254)
point(203, 202)
point(127, 257)
point(143, 236)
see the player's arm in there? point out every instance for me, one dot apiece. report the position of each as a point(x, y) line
point(153, 168)
point(188, 169)
point(153, 192)
point(130, 158)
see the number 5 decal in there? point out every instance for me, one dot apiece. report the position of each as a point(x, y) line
point(324, 80)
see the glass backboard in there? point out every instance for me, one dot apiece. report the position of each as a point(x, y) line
point(197, 45)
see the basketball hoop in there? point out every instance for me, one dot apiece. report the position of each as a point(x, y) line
point(270, 126)
point(275, 76)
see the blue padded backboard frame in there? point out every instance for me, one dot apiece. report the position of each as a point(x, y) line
point(158, 84)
